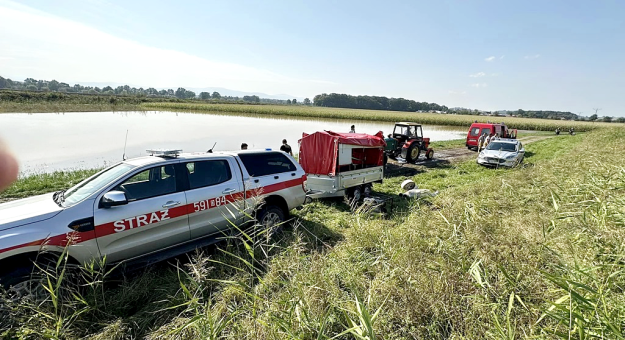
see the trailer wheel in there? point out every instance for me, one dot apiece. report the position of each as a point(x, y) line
point(367, 190)
point(354, 194)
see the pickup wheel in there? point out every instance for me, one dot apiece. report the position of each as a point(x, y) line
point(26, 279)
point(271, 218)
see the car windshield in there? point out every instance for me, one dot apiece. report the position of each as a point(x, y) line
point(94, 184)
point(501, 146)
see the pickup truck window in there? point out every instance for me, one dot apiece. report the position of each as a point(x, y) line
point(157, 181)
point(207, 173)
point(263, 164)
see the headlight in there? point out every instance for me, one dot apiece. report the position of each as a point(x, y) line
point(511, 157)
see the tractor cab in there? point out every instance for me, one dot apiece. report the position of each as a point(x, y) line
point(406, 131)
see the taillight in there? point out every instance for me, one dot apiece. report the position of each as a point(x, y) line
point(304, 178)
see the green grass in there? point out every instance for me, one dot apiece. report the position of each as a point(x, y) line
point(531, 252)
point(376, 115)
point(43, 183)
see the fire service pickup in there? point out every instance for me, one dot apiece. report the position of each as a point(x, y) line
point(162, 205)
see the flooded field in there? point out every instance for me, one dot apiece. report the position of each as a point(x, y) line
point(45, 142)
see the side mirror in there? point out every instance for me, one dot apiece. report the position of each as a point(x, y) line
point(113, 199)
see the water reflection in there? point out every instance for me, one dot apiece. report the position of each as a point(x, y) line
point(45, 142)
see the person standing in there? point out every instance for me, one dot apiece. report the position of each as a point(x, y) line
point(488, 139)
point(353, 130)
point(286, 147)
point(481, 141)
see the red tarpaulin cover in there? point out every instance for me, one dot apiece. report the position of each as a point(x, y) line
point(318, 152)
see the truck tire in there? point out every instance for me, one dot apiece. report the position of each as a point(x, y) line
point(413, 153)
point(384, 159)
point(271, 219)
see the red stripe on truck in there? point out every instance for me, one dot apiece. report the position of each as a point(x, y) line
point(74, 237)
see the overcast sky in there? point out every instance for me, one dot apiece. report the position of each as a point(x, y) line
point(550, 55)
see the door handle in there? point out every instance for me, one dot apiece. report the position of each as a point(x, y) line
point(228, 191)
point(293, 174)
point(170, 204)
point(255, 181)
point(276, 177)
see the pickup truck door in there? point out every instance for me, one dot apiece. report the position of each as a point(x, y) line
point(215, 195)
point(154, 218)
point(269, 172)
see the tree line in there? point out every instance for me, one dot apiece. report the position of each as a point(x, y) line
point(375, 103)
point(30, 84)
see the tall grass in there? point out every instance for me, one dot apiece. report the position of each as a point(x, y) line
point(532, 252)
point(377, 115)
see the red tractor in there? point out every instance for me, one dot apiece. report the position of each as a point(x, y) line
point(407, 142)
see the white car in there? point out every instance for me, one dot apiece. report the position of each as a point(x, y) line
point(502, 152)
point(161, 205)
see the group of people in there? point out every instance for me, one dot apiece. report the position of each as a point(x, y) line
point(485, 139)
point(287, 148)
point(571, 131)
point(284, 147)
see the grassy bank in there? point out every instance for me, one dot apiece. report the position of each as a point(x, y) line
point(376, 115)
point(532, 252)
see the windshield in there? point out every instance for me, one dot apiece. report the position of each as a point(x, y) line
point(501, 146)
point(94, 184)
point(410, 131)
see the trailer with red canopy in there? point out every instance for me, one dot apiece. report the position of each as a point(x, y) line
point(339, 164)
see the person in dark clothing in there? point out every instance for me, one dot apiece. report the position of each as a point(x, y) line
point(286, 147)
point(243, 146)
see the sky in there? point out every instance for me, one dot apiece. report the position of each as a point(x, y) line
point(564, 55)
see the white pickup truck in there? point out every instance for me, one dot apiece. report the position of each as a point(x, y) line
point(162, 205)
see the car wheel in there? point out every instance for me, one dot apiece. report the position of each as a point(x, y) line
point(413, 153)
point(271, 220)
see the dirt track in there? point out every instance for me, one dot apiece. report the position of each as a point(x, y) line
point(441, 158)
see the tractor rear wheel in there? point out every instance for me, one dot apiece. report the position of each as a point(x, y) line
point(413, 153)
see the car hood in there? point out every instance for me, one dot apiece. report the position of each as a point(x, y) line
point(27, 210)
point(497, 154)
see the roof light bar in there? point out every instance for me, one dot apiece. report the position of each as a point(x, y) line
point(164, 152)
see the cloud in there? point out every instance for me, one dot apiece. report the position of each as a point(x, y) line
point(489, 59)
point(452, 92)
point(50, 47)
point(478, 75)
point(479, 85)
point(535, 56)
point(502, 57)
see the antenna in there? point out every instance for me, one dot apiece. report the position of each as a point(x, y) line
point(211, 149)
point(124, 155)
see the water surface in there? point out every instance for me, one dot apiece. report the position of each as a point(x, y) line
point(45, 142)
